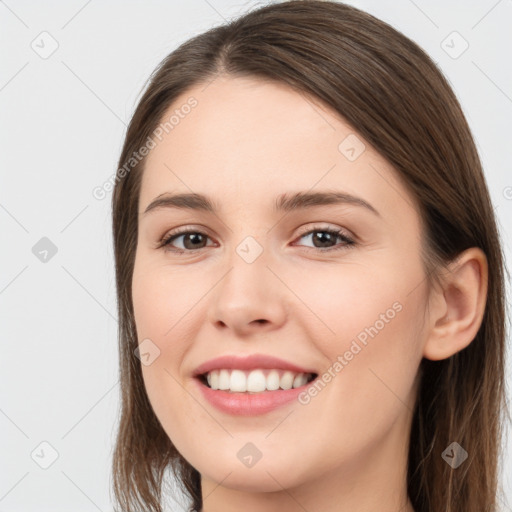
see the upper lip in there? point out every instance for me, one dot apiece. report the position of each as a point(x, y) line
point(252, 362)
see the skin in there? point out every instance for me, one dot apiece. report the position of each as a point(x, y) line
point(246, 142)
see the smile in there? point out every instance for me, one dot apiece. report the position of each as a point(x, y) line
point(252, 403)
point(255, 381)
point(248, 385)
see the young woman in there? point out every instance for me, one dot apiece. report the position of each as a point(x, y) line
point(309, 276)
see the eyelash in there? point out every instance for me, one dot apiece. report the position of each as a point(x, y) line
point(166, 241)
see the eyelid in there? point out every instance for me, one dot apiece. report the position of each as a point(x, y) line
point(181, 230)
point(320, 227)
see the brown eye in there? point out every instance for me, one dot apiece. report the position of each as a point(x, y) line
point(325, 239)
point(192, 240)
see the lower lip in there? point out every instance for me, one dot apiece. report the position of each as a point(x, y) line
point(250, 404)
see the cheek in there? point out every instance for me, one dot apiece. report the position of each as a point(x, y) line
point(360, 302)
point(165, 303)
point(370, 333)
point(161, 300)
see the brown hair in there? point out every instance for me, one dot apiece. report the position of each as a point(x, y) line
point(392, 93)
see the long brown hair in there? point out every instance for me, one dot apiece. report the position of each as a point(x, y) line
point(392, 93)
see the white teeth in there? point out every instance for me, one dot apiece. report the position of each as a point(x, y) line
point(287, 380)
point(214, 380)
point(255, 381)
point(273, 380)
point(237, 382)
point(223, 379)
point(299, 380)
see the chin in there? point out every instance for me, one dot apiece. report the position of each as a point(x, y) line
point(250, 481)
point(269, 476)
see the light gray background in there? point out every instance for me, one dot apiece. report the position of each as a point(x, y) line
point(63, 119)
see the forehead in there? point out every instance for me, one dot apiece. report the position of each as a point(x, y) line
point(246, 139)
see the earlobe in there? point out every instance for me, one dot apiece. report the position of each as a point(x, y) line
point(459, 306)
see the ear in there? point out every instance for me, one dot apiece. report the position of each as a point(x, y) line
point(457, 308)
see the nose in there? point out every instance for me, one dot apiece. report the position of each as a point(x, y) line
point(249, 298)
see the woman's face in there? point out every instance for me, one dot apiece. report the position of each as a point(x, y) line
point(259, 280)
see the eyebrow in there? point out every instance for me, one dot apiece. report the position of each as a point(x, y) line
point(284, 203)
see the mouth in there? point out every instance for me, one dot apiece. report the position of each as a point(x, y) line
point(259, 380)
point(250, 385)
point(252, 392)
